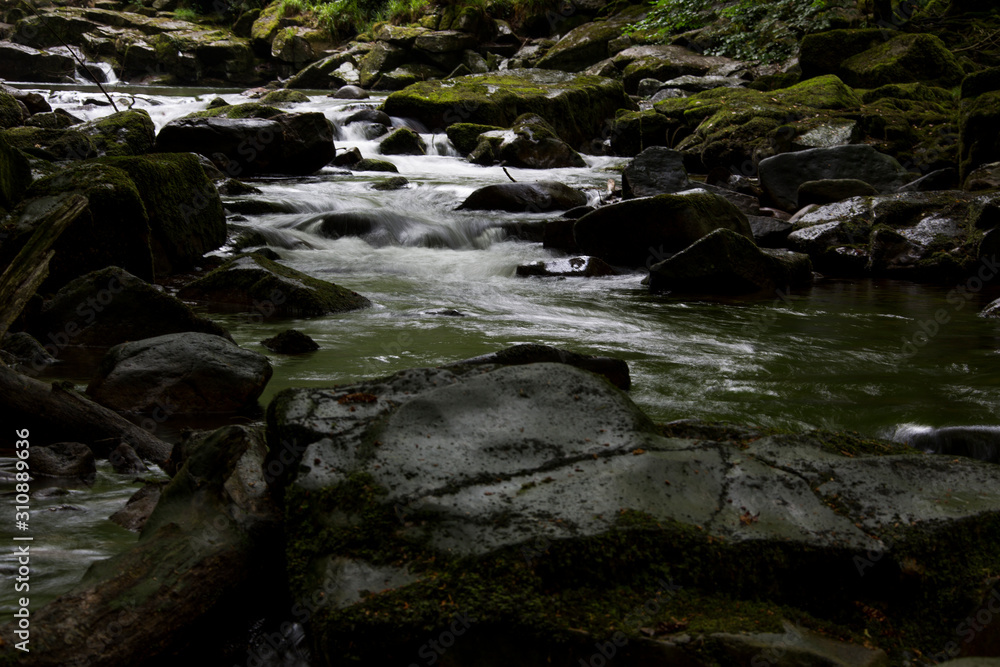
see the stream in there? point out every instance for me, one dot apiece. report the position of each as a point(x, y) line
point(845, 355)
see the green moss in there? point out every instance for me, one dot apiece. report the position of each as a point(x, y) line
point(904, 59)
point(823, 52)
point(52, 144)
point(374, 164)
point(245, 110)
point(280, 97)
point(402, 141)
point(10, 111)
point(917, 92)
point(123, 133)
point(465, 136)
point(979, 141)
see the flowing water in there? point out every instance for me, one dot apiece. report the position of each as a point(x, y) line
point(848, 355)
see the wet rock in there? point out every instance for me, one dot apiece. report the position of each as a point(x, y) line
point(407, 74)
point(641, 232)
point(724, 262)
point(586, 267)
point(299, 143)
point(111, 306)
point(291, 341)
point(236, 188)
point(465, 136)
point(769, 232)
point(632, 131)
point(781, 175)
point(264, 288)
point(23, 63)
point(63, 459)
point(113, 230)
point(615, 370)
point(374, 164)
point(403, 141)
point(831, 190)
point(347, 159)
point(532, 143)
point(322, 74)
point(904, 58)
point(663, 62)
point(185, 373)
point(575, 105)
point(34, 102)
point(351, 93)
point(52, 121)
point(368, 116)
point(280, 98)
point(392, 183)
point(52, 144)
point(125, 461)
point(381, 59)
point(186, 219)
point(138, 508)
point(211, 539)
point(24, 349)
point(516, 197)
point(655, 171)
point(587, 44)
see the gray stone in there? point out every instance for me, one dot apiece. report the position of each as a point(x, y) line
point(515, 197)
point(63, 459)
point(655, 171)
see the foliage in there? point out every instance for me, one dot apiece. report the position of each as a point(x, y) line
point(186, 14)
point(744, 29)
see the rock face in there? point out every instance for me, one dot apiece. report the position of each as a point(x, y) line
point(589, 502)
point(23, 63)
point(587, 44)
point(15, 175)
point(264, 289)
point(299, 143)
point(122, 133)
point(979, 115)
point(185, 373)
point(113, 230)
point(725, 262)
point(517, 197)
point(781, 175)
point(575, 105)
point(111, 306)
point(641, 232)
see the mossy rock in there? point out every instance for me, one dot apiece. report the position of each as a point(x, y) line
point(374, 164)
point(634, 131)
point(11, 114)
point(113, 230)
point(465, 136)
point(283, 97)
point(823, 52)
point(245, 110)
point(52, 144)
point(15, 173)
point(916, 92)
point(903, 59)
point(576, 106)
point(585, 45)
point(186, 219)
point(124, 133)
point(403, 141)
point(265, 288)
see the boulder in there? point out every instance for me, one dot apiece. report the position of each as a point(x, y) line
point(111, 306)
point(35, 103)
point(183, 373)
point(781, 175)
point(12, 113)
point(391, 183)
point(575, 267)
point(465, 136)
point(531, 197)
point(904, 58)
point(830, 190)
point(284, 97)
point(295, 143)
point(123, 133)
point(724, 262)
point(186, 219)
point(381, 59)
point(591, 502)
point(322, 74)
point(655, 171)
point(23, 63)
point(642, 232)
point(983, 177)
point(374, 164)
point(769, 232)
point(52, 144)
point(823, 52)
point(113, 230)
point(125, 461)
point(532, 143)
point(402, 141)
point(63, 459)
point(632, 131)
point(263, 288)
point(290, 341)
point(587, 44)
point(15, 174)
point(575, 105)
point(664, 62)
point(351, 93)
